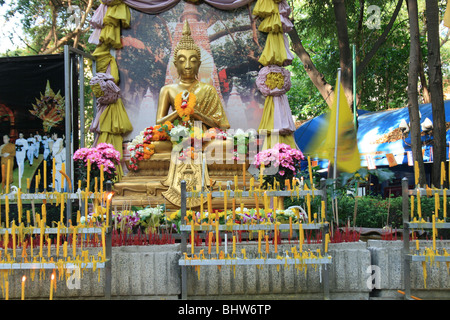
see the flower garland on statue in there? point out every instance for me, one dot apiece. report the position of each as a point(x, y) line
point(141, 148)
point(184, 138)
point(184, 104)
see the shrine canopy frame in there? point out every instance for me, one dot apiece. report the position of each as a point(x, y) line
point(75, 135)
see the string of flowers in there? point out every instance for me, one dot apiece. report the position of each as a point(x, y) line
point(184, 139)
point(184, 103)
point(141, 148)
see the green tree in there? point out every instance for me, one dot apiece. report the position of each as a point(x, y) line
point(382, 55)
point(337, 24)
point(48, 25)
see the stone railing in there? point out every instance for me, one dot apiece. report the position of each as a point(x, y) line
point(152, 272)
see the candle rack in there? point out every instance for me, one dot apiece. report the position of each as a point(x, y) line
point(19, 263)
point(299, 259)
point(411, 223)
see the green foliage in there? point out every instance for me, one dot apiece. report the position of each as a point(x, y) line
point(382, 84)
point(372, 211)
point(45, 21)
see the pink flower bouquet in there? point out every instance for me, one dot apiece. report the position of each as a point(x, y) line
point(280, 163)
point(104, 154)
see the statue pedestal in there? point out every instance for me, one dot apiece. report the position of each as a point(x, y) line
point(148, 185)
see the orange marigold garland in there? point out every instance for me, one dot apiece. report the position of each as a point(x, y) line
point(184, 104)
point(141, 148)
point(149, 150)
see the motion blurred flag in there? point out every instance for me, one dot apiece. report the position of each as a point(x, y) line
point(447, 15)
point(323, 145)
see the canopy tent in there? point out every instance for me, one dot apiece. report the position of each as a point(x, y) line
point(378, 135)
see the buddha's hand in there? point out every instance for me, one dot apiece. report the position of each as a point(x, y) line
point(204, 119)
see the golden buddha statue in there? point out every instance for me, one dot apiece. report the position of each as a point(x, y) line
point(160, 176)
point(208, 108)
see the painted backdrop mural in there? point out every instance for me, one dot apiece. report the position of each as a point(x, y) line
point(230, 47)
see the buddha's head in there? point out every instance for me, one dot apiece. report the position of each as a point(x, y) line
point(187, 55)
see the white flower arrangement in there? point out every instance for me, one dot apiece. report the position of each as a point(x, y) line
point(147, 212)
point(179, 131)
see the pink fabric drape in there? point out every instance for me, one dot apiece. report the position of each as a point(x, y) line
point(111, 92)
point(97, 23)
point(289, 55)
point(158, 6)
point(154, 7)
point(282, 119)
point(285, 10)
point(151, 6)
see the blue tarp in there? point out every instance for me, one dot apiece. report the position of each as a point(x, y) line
point(373, 126)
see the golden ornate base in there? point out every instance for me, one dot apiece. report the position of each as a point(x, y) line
point(151, 184)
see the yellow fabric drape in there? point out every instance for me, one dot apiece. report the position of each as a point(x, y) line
point(114, 121)
point(289, 140)
point(103, 60)
point(267, 116)
point(115, 17)
point(447, 15)
point(264, 8)
point(267, 124)
point(274, 51)
point(271, 23)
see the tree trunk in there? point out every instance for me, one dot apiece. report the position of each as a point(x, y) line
point(345, 54)
point(317, 78)
point(423, 80)
point(325, 89)
point(413, 103)
point(436, 89)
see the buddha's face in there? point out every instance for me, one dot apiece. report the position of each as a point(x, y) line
point(187, 63)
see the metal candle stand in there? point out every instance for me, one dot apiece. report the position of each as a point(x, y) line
point(185, 229)
point(408, 225)
point(88, 230)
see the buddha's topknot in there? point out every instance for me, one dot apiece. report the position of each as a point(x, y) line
point(186, 42)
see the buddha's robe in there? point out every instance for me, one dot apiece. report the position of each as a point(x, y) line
point(209, 105)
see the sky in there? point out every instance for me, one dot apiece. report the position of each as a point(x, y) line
point(9, 28)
